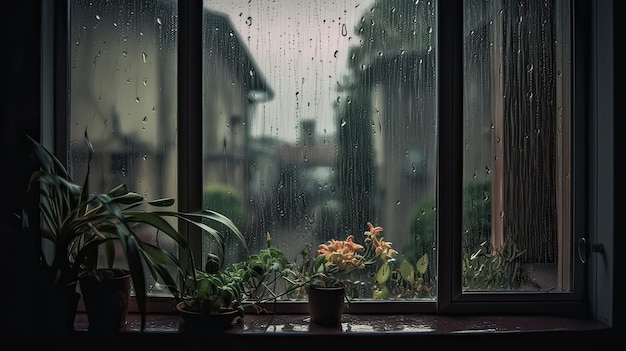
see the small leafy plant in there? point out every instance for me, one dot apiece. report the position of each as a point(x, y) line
point(402, 279)
point(220, 288)
point(490, 268)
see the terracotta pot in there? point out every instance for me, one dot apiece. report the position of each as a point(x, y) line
point(201, 321)
point(106, 298)
point(326, 305)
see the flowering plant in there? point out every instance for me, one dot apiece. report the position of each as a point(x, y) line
point(337, 260)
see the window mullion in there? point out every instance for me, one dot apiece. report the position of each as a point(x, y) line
point(190, 115)
point(450, 162)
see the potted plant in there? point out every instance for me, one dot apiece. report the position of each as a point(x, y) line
point(77, 226)
point(217, 297)
point(328, 279)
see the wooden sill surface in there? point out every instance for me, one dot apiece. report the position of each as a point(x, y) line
point(370, 324)
point(258, 325)
point(293, 332)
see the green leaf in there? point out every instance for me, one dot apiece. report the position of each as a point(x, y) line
point(406, 271)
point(422, 264)
point(165, 202)
point(384, 272)
point(382, 293)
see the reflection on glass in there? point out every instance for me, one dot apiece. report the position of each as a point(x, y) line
point(319, 117)
point(123, 91)
point(516, 210)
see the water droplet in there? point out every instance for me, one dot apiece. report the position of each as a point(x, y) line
point(144, 56)
point(344, 30)
point(159, 21)
point(124, 53)
point(98, 17)
point(137, 99)
point(398, 203)
point(343, 122)
point(249, 21)
point(145, 119)
point(335, 54)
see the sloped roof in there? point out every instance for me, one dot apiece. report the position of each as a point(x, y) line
point(221, 34)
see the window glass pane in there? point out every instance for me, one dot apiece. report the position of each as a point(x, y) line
point(123, 91)
point(320, 116)
point(516, 209)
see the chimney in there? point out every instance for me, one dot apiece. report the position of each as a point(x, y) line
point(307, 132)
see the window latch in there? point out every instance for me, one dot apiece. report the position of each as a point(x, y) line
point(584, 248)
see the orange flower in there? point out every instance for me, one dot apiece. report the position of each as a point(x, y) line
point(338, 258)
point(383, 248)
point(342, 253)
point(373, 232)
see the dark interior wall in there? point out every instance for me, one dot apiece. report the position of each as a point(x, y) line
point(21, 110)
point(21, 103)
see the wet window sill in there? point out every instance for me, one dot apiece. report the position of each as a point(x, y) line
point(283, 330)
point(371, 324)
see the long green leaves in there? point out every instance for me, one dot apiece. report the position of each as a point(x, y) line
point(81, 225)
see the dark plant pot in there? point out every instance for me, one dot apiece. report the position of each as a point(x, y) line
point(59, 311)
point(206, 322)
point(106, 295)
point(326, 305)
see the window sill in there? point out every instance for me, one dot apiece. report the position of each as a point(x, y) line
point(276, 331)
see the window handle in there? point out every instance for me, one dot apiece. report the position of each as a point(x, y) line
point(584, 248)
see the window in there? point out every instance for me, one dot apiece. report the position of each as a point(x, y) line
point(457, 128)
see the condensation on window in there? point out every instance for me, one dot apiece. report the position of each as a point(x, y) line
point(123, 92)
point(516, 166)
point(320, 116)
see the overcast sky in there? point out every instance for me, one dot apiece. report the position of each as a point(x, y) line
point(301, 47)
